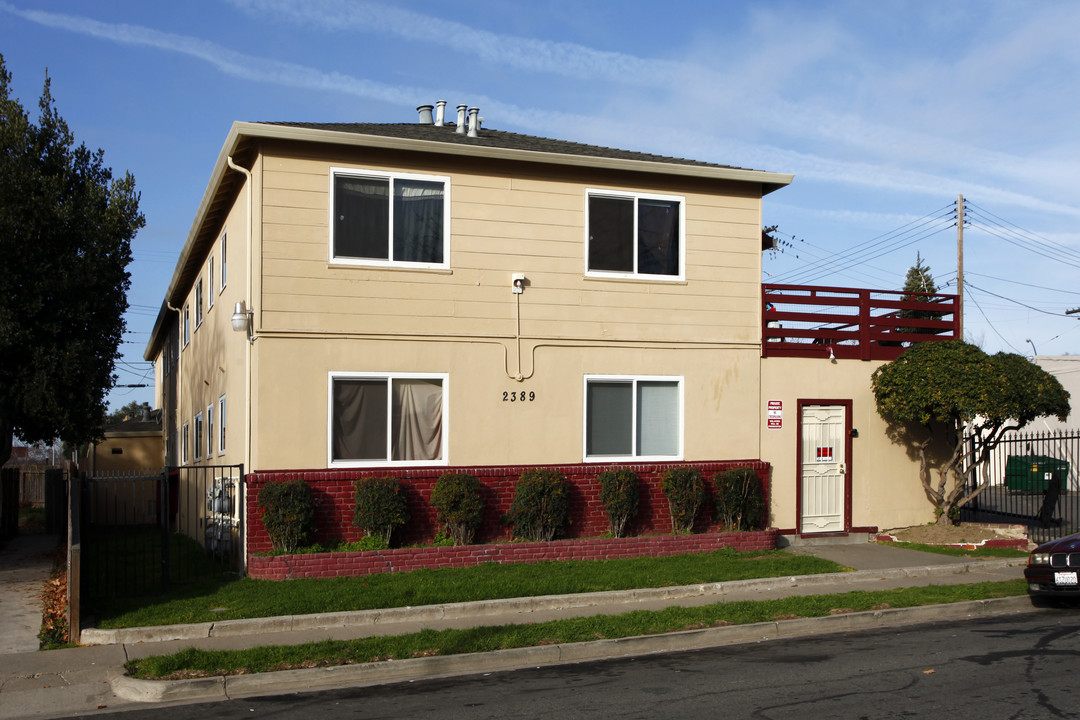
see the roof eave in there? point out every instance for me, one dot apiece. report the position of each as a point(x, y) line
point(768, 181)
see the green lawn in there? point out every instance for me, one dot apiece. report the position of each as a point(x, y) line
point(960, 552)
point(193, 662)
point(247, 598)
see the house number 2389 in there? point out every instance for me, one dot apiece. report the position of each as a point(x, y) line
point(519, 396)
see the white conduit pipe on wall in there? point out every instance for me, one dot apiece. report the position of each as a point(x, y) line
point(247, 351)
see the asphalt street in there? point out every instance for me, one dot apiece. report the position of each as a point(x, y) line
point(1012, 666)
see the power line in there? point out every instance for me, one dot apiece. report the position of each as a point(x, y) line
point(1017, 302)
point(884, 244)
point(1017, 282)
point(990, 324)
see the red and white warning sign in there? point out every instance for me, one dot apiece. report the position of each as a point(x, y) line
point(774, 419)
point(824, 454)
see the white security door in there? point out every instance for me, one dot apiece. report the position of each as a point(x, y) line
point(823, 468)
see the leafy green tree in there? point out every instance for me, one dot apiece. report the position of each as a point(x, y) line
point(132, 411)
point(937, 391)
point(65, 242)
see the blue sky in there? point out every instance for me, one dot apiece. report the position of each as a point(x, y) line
point(884, 111)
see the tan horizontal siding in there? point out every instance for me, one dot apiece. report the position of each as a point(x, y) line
point(501, 225)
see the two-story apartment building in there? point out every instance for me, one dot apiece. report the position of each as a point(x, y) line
point(402, 295)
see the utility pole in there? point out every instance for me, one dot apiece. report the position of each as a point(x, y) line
point(960, 264)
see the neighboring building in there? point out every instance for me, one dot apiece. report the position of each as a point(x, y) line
point(130, 446)
point(415, 295)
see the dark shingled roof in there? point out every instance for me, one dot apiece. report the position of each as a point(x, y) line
point(495, 139)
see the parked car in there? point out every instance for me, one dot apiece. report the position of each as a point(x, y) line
point(1053, 569)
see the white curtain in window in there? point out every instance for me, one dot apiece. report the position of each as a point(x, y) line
point(658, 419)
point(417, 419)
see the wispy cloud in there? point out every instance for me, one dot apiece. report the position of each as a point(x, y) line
point(522, 53)
point(861, 153)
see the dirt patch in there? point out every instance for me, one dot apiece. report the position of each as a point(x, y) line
point(954, 534)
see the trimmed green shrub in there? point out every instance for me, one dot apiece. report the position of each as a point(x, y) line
point(619, 493)
point(740, 504)
point(457, 498)
point(379, 506)
point(684, 489)
point(541, 506)
point(288, 513)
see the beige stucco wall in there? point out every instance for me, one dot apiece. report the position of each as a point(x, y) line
point(138, 452)
point(720, 395)
point(314, 317)
point(886, 492)
point(213, 363)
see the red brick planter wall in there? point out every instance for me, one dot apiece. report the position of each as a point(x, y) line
point(283, 567)
point(334, 491)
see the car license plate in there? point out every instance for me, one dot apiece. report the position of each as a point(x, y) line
point(1065, 578)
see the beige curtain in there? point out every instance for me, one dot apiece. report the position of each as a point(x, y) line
point(417, 420)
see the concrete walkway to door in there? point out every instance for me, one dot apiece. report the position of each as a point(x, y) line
point(25, 565)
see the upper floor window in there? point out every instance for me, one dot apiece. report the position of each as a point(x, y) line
point(389, 219)
point(224, 256)
point(187, 324)
point(210, 283)
point(384, 419)
point(198, 303)
point(633, 418)
point(634, 235)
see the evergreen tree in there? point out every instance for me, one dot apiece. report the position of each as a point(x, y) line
point(65, 242)
point(918, 280)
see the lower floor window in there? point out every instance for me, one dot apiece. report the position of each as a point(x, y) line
point(633, 418)
point(396, 418)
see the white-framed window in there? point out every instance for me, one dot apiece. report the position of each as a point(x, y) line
point(210, 283)
point(634, 235)
point(198, 302)
point(391, 219)
point(210, 430)
point(185, 448)
point(187, 323)
point(224, 256)
point(633, 418)
point(387, 419)
point(197, 440)
point(221, 425)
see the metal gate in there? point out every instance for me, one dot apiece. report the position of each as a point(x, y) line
point(143, 532)
point(1033, 482)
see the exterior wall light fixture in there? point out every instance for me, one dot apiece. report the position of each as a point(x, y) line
point(241, 320)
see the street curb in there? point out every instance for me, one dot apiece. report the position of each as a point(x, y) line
point(468, 610)
point(392, 671)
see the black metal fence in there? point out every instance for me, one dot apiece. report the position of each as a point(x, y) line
point(143, 532)
point(1034, 481)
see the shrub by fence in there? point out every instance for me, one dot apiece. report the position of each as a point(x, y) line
point(333, 490)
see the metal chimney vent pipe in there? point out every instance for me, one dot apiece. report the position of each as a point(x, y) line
point(474, 121)
point(461, 118)
point(425, 114)
point(440, 113)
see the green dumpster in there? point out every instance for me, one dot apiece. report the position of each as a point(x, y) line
point(1033, 472)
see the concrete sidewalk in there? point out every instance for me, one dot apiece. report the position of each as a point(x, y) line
point(86, 679)
point(25, 565)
